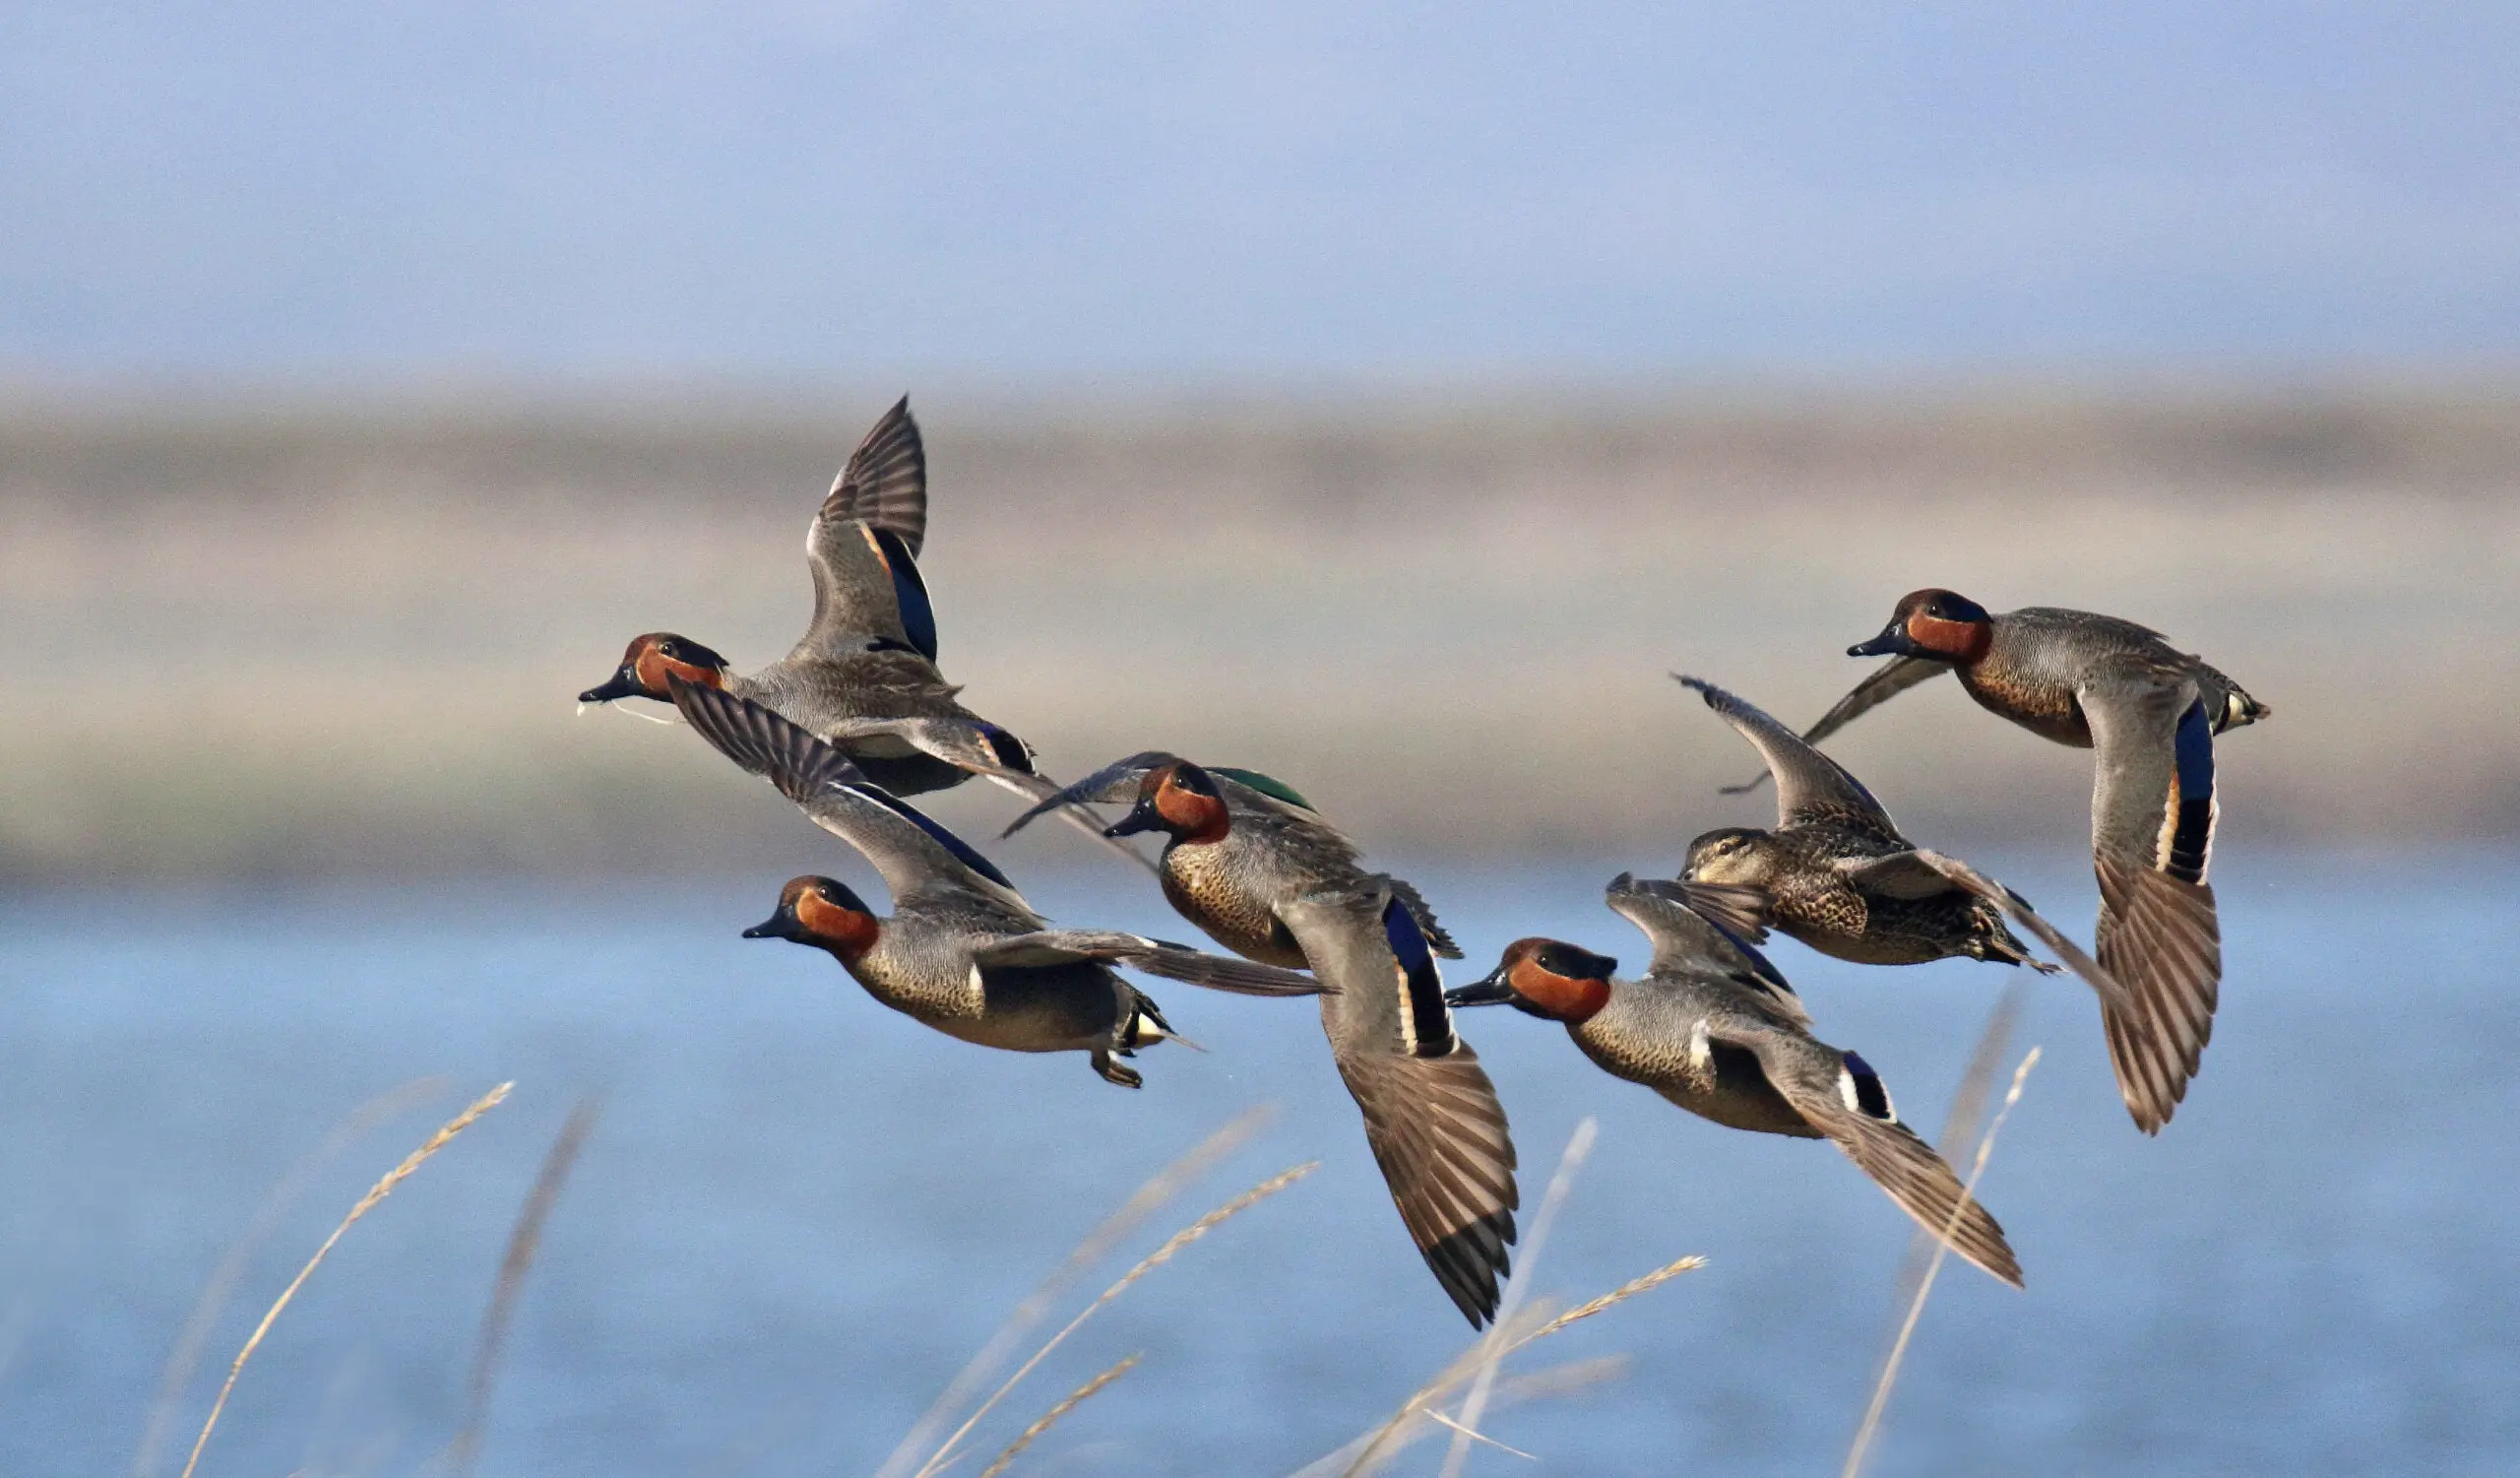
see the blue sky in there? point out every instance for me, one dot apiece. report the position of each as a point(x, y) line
point(1046, 193)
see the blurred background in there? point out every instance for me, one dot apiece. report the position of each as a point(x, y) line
point(1386, 398)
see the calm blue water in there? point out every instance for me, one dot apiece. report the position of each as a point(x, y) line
point(803, 1212)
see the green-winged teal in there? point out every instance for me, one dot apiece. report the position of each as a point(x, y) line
point(1251, 863)
point(2150, 713)
point(865, 674)
point(1714, 1028)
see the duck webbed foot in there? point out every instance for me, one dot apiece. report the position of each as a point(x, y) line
point(1114, 1071)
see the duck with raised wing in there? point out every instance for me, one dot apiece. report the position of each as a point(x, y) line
point(962, 951)
point(1714, 1028)
point(864, 676)
point(1251, 863)
point(2150, 713)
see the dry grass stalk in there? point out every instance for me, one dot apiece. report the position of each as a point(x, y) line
point(523, 1243)
point(1117, 1228)
point(1462, 1434)
point(1619, 1295)
point(1404, 1425)
point(1049, 1418)
point(1386, 1440)
point(1960, 1124)
point(1152, 1260)
point(1492, 1346)
point(1871, 1423)
point(1554, 1381)
point(366, 1203)
point(185, 1357)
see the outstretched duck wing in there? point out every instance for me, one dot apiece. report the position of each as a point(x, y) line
point(1809, 785)
point(1694, 928)
point(1118, 781)
point(1886, 682)
point(912, 853)
point(884, 484)
point(1431, 1115)
point(983, 748)
point(1838, 1093)
point(1741, 911)
point(2152, 832)
point(1197, 967)
point(863, 547)
point(986, 750)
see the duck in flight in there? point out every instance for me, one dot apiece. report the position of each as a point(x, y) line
point(1250, 862)
point(2149, 713)
point(863, 677)
point(1714, 1028)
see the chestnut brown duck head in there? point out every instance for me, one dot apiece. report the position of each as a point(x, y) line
point(1940, 626)
point(652, 657)
point(1546, 978)
point(1179, 800)
point(823, 913)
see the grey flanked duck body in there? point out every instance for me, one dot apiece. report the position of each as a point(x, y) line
point(2029, 665)
point(1714, 1028)
point(2149, 712)
point(1251, 863)
point(962, 951)
point(865, 675)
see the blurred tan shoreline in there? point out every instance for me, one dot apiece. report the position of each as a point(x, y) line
point(283, 639)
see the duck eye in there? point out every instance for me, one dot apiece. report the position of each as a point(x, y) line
point(1570, 963)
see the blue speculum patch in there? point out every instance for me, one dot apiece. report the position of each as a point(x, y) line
point(2192, 834)
point(2195, 752)
point(910, 591)
point(1408, 941)
point(1425, 987)
point(1008, 749)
